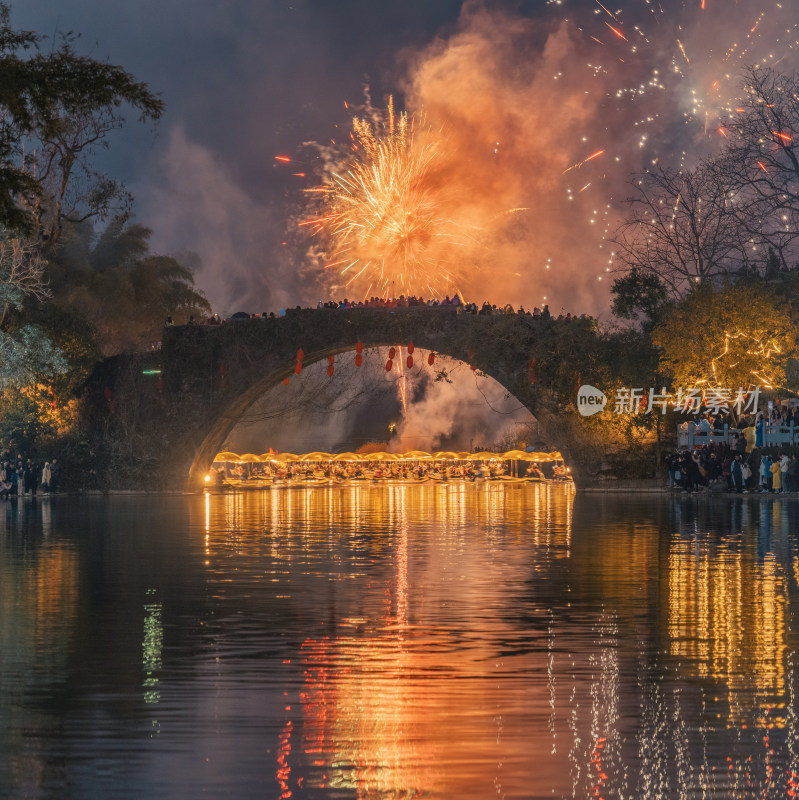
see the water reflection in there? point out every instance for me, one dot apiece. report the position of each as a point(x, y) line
point(398, 641)
point(381, 698)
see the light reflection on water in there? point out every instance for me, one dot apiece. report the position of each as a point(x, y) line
point(398, 641)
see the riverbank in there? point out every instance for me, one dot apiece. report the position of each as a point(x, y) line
point(616, 487)
point(658, 486)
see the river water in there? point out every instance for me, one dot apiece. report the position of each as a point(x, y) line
point(436, 641)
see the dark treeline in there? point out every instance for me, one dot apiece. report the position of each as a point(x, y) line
point(77, 279)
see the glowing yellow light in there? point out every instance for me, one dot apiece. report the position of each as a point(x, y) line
point(380, 214)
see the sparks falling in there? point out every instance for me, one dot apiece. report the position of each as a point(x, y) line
point(382, 218)
point(553, 122)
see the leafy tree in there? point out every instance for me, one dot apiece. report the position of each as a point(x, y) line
point(120, 288)
point(26, 352)
point(21, 276)
point(639, 296)
point(62, 106)
point(739, 336)
point(26, 355)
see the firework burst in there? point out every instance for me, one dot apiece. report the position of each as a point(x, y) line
point(381, 216)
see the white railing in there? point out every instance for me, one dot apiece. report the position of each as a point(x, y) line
point(690, 436)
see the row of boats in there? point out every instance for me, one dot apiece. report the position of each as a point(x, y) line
point(269, 469)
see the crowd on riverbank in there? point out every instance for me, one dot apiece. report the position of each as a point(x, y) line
point(21, 476)
point(721, 467)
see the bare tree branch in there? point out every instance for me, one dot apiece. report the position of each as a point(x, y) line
point(680, 227)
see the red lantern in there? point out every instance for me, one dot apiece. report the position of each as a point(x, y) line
point(331, 359)
point(358, 360)
point(389, 365)
point(285, 381)
point(300, 355)
point(430, 359)
point(410, 347)
point(330, 371)
point(298, 368)
point(409, 362)
point(392, 352)
point(359, 347)
point(471, 354)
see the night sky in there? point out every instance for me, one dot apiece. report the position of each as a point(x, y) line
point(529, 90)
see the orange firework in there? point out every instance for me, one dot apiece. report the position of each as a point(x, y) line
point(381, 217)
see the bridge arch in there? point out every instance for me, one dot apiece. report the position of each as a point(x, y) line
point(210, 375)
point(221, 428)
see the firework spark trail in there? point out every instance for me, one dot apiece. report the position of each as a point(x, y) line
point(597, 154)
point(384, 218)
point(408, 208)
point(401, 384)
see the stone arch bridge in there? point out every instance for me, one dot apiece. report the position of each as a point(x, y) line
point(169, 411)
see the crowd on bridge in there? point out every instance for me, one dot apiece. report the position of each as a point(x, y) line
point(402, 302)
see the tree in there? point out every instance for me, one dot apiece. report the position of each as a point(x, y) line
point(26, 353)
point(122, 289)
point(680, 228)
point(639, 296)
point(58, 108)
point(739, 336)
point(21, 275)
point(760, 163)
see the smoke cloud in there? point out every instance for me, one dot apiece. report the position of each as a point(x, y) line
point(448, 406)
point(523, 91)
point(540, 124)
point(201, 208)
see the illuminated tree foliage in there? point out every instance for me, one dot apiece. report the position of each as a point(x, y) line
point(740, 336)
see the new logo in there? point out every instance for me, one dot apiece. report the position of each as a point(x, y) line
point(590, 400)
